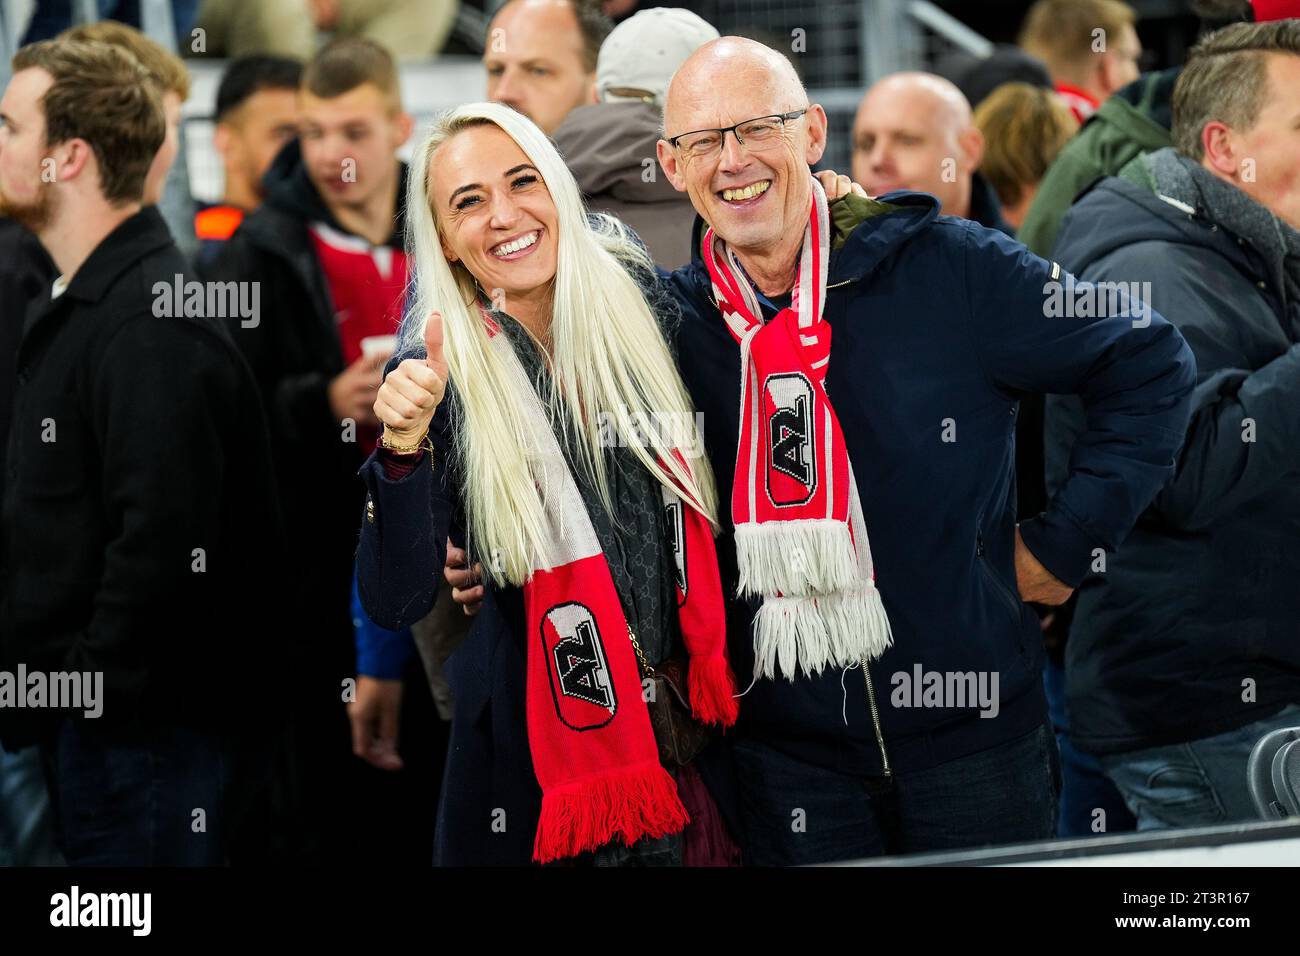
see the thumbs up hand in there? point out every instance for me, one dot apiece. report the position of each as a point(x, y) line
point(413, 391)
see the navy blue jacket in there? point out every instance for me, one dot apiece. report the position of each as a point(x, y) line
point(938, 327)
point(1203, 596)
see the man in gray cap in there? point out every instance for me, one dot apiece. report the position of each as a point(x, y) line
point(610, 145)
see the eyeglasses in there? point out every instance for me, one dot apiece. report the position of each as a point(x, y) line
point(762, 132)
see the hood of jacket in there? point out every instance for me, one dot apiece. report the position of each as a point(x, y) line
point(1117, 212)
point(290, 190)
point(1274, 243)
point(1151, 202)
point(874, 229)
point(606, 145)
point(985, 207)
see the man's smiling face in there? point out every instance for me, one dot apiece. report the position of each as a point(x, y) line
point(753, 197)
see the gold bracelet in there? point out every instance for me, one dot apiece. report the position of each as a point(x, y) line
point(422, 443)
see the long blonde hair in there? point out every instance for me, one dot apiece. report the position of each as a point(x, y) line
point(607, 355)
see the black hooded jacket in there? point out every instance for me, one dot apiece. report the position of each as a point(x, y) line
point(295, 352)
point(1193, 628)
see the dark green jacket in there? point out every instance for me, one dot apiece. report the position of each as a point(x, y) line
point(1135, 120)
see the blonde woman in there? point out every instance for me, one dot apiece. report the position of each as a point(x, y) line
point(515, 421)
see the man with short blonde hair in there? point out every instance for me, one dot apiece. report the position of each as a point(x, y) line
point(1091, 48)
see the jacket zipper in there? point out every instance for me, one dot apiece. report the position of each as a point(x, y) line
point(866, 673)
point(1011, 601)
point(875, 719)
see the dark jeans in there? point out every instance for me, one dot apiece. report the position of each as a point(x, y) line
point(158, 796)
point(796, 813)
point(1090, 804)
point(26, 827)
point(1200, 783)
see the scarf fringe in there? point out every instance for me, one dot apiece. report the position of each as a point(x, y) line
point(810, 634)
point(627, 804)
point(802, 558)
point(713, 691)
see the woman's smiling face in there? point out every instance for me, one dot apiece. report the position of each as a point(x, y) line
point(494, 212)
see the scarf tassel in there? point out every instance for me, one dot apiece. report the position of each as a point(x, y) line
point(627, 804)
point(800, 558)
point(712, 689)
point(813, 633)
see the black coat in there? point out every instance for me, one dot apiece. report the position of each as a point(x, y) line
point(1202, 596)
point(295, 352)
point(136, 439)
point(26, 274)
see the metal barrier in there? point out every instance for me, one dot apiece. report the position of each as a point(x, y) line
point(1275, 843)
point(7, 46)
point(1273, 774)
point(12, 21)
point(947, 30)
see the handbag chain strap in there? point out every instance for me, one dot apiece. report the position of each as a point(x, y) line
point(646, 669)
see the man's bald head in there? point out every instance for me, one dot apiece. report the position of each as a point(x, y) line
point(756, 195)
point(915, 131)
point(730, 61)
point(941, 96)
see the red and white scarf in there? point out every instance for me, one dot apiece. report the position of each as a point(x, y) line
point(801, 540)
point(594, 752)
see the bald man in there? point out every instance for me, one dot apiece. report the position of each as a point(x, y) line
point(915, 131)
point(883, 501)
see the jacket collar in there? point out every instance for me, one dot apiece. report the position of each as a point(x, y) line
point(985, 207)
point(290, 190)
point(131, 241)
point(890, 221)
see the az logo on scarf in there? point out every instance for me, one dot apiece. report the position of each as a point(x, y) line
point(580, 678)
point(792, 478)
